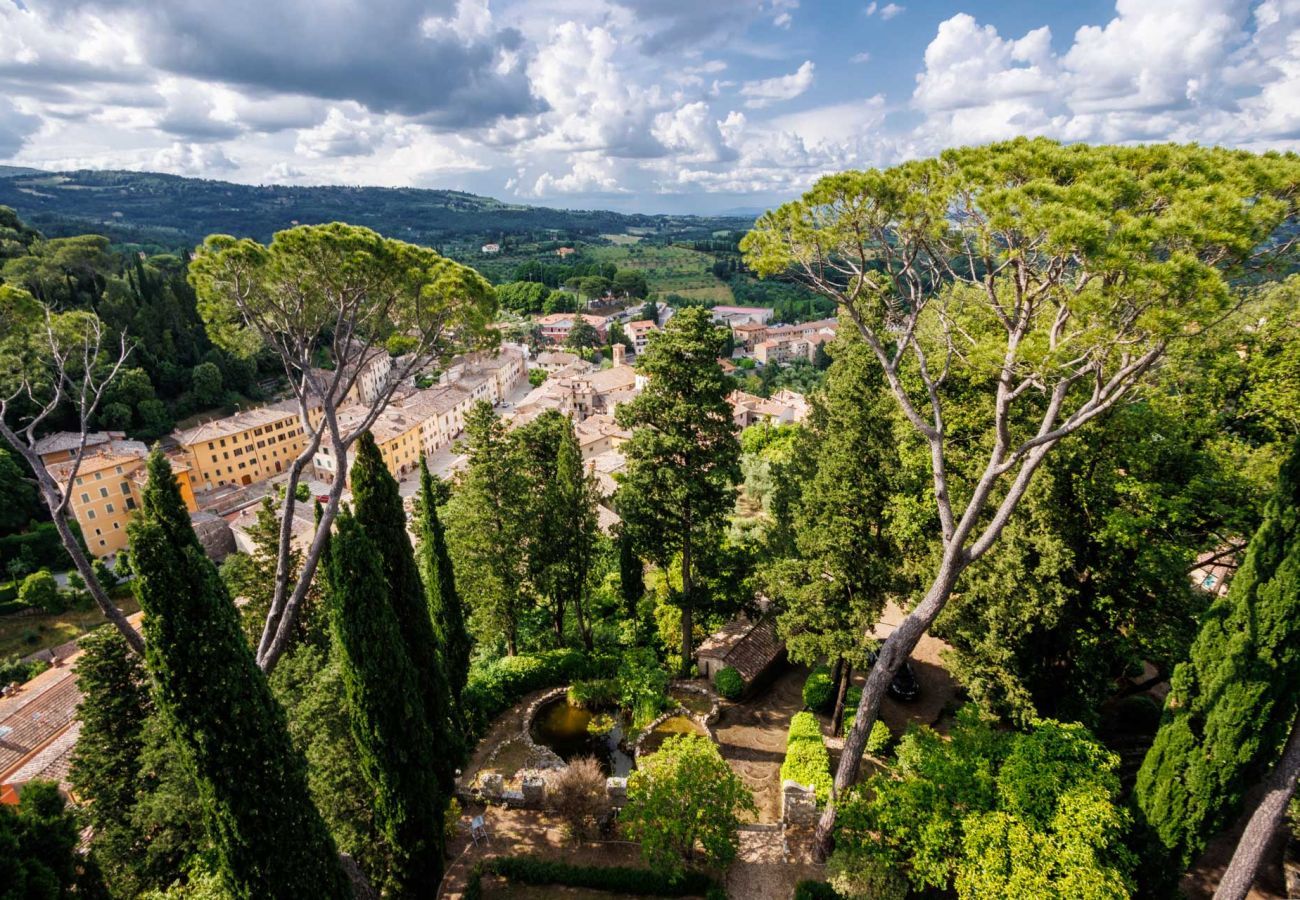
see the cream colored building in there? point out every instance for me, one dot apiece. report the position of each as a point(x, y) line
point(250, 446)
point(105, 491)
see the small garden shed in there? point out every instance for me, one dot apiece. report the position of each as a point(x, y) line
point(750, 647)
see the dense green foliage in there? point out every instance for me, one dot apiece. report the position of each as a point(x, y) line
point(445, 609)
point(384, 695)
point(818, 689)
point(729, 683)
point(1232, 702)
point(381, 516)
point(19, 502)
point(38, 846)
point(806, 758)
point(220, 712)
point(683, 458)
point(989, 813)
point(683, 805)
point(114, 708)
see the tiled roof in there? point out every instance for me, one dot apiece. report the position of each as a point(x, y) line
point(240, 421)
point(64, 441)
point(101, 457)
point(748, 647)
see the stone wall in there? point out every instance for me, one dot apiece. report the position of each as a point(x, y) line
point(798, 803)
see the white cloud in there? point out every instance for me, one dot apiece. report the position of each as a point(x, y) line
point(193, 160)
point(340, 135)
point(859, 58)
point(774, 90)
point(889, 10)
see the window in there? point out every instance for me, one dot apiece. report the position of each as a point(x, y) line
point(103, 492)
point(99, 475)
point(78, 480)
point(119, 470)
point(126, 488)
point(117, 525)
point(109, 509)
point(90, 514)
point(85, 498)
point(223, 442)
point(101, 542)
point(130, 503)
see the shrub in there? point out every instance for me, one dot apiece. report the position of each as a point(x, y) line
point(852, 697)
point(107, 577)
point(40, 590)
point(642, 685)
point(596, 693)
point(819, 690)
point(815, 890)
point(684, 802)
point(534, 870)
point(729, 683)
point(577, 794)
point(878, 740)
point(451, 820)
point(13, 606)
point(806, 758)
point(14, 669)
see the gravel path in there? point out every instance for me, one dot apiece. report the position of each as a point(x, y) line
point(751, 736)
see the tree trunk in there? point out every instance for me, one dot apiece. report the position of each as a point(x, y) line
point(87, 573)
point(584, 629)
point(687, 599)
point(841, 691)
point(893, 653)
point(558, 621)
point(1264, 821)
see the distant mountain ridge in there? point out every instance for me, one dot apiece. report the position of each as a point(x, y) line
point(174, 211)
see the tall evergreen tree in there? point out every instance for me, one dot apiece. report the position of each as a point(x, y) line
point(683, 460)
point(445, 608)
point(485, 532)
point(218, 708)
point(105, 765)
point(834, 588)
point(572, 500)
point(631, 575)
point(380, 513)
point(382, 691)
point(1232, 703)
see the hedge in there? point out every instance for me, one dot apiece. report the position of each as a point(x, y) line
point(815, 890)
point(806, 758)
point(618, 879)
point(495, 687)
point(852, 697)
point(819, 690)
point(729, 683)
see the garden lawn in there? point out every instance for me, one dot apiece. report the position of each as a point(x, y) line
point(22, 635)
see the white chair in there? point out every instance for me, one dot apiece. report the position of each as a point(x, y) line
point(478, 830)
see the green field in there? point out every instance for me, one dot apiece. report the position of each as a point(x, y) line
point(669, 270)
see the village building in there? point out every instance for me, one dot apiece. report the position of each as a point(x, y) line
point(782, 408)
point(250, 446)
point(640, 331)
point(106, 488)
point(752, 648)
point(491, 248)
point(742, 315)
point(555, 327)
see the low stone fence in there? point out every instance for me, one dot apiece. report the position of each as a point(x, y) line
point(706, 721)
point(534, 788)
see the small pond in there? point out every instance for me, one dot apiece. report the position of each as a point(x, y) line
point(563, 728)
point(669, 727)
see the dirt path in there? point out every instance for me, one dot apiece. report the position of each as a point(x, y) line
point(761, 870)
point(751, 735)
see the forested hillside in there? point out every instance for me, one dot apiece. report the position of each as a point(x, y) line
point(172, 212)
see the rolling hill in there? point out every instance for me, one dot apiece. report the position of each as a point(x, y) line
point(174, 212)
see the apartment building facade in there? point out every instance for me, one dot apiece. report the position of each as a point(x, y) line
point(250, 446)
point(106, 488)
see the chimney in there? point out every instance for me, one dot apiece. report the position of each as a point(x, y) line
point(619, 352)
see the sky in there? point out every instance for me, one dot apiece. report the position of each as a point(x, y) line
point(701, 106)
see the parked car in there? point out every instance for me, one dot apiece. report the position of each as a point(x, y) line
point(904, 686)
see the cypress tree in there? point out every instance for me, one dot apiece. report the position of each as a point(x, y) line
point(381, 689)
point(445, 608)
point(573, 500)
point(105, 765)
point(1232, 702)
point(631, 575)
point(380, 514)
point(217, 707)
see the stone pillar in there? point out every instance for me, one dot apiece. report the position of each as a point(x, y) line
point(534, 791)
point(616, 790)
point(798, 803)
point(491, 785)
